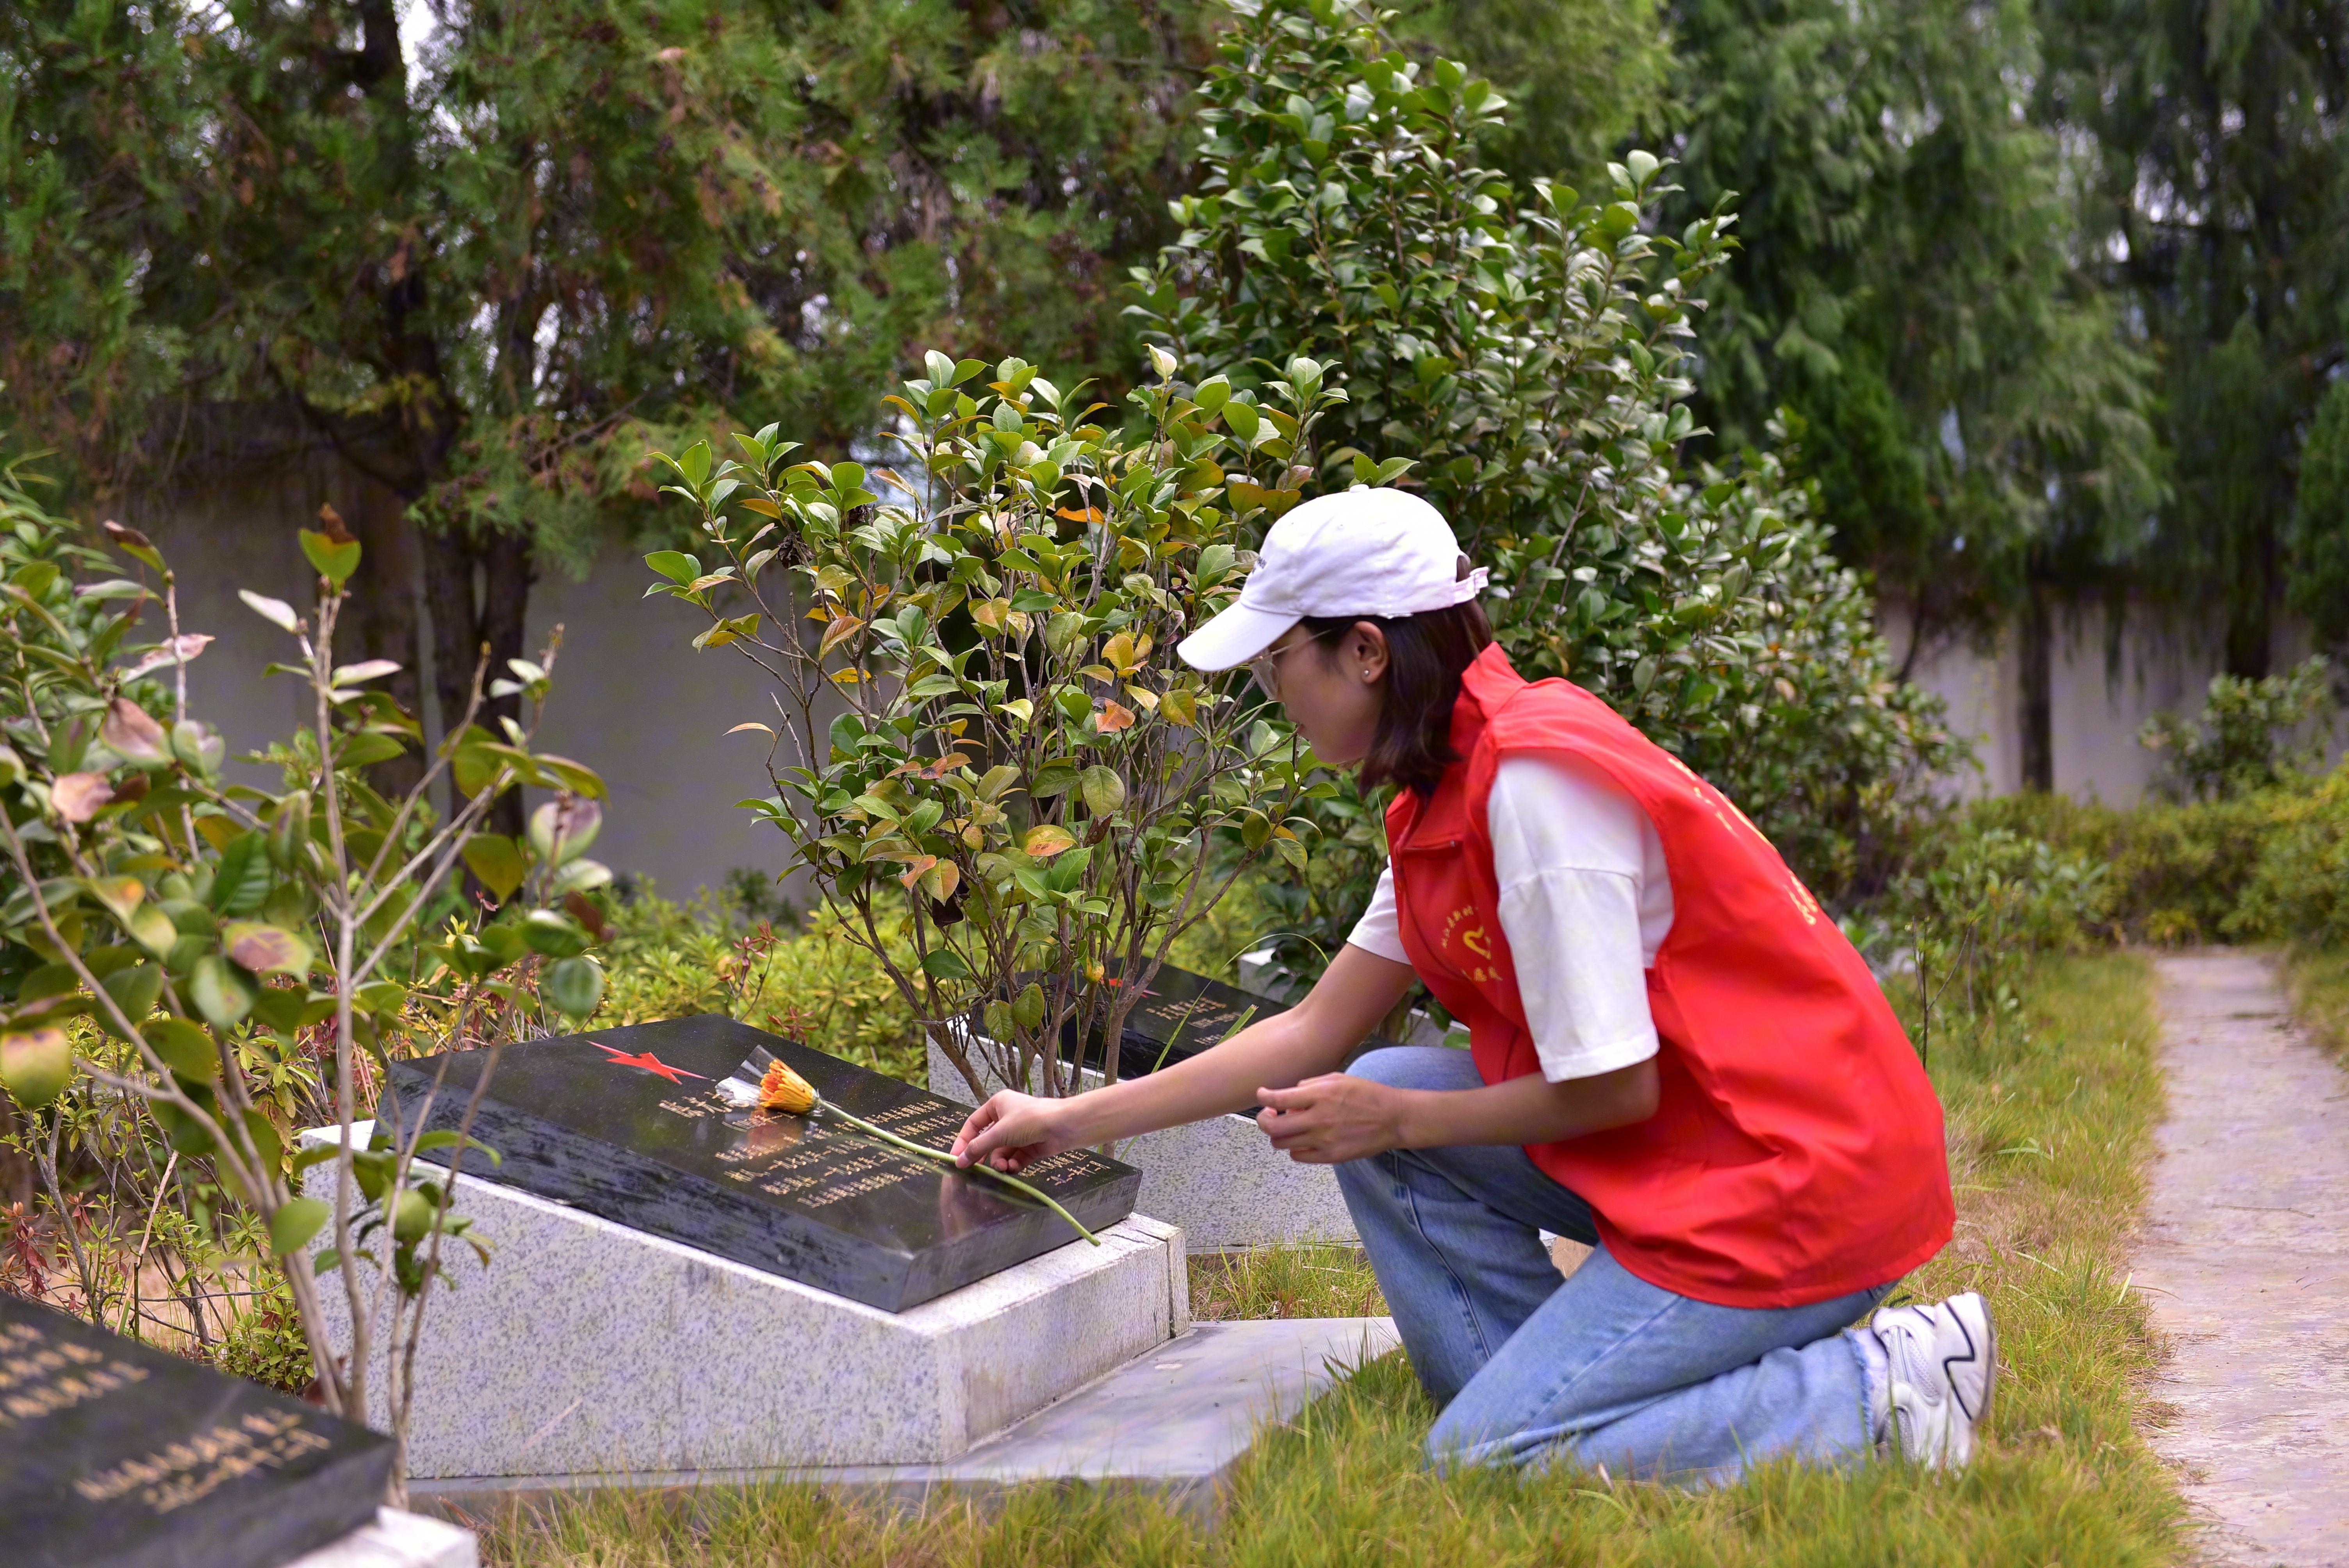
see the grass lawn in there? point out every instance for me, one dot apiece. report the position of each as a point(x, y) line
point(2318, 981)
point(2051, 1115)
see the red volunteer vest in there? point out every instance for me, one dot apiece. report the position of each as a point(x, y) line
point(1796, 1155)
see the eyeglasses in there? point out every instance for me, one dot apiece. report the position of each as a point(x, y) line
point(1265, 668)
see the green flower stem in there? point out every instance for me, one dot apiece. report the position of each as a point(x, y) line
point(886, 1136)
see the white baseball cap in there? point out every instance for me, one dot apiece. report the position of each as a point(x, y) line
point(1363, 551)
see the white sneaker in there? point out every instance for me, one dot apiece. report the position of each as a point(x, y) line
point(1943, 1361)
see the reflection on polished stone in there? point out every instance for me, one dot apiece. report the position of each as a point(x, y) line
point(631, 1124)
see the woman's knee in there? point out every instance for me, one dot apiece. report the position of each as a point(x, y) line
point(1416, 1066)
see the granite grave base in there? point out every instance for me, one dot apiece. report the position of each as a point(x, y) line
point(398, 1540)
point(1220, 1181)
point(587, 1347)
point(1172, 1422)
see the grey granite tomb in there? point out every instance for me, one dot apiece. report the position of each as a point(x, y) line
point(676, 1284)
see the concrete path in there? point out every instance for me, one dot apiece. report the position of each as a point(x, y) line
point(2246, 1258)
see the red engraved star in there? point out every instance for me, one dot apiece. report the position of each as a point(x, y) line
point(650, 1062)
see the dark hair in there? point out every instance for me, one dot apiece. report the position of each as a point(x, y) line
point(1426, 656)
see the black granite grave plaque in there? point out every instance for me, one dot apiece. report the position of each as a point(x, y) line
point(115, 1455)
point(1179, 1015)
point(630, 1124)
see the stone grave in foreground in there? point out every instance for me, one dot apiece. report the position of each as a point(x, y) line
point(1174, 1422)
point(1220, 1181)
point(117, 1455)
point(679, 1282)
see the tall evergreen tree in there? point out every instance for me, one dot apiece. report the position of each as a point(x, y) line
point(1583, 78)
point(2218, 205)
point(1909, 291)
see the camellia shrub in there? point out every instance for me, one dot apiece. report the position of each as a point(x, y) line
point(191, 969)
point(994, 771)
point(2299, 891)
point(2253, 735)
point(1533, 350)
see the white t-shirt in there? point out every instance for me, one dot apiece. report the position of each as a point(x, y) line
point(1585, 902)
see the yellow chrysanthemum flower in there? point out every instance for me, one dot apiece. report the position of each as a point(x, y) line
point(783, 1089)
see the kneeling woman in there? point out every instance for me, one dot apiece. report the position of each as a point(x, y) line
point(1675, 1058)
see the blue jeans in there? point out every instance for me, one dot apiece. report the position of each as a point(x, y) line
point(1602, 1368)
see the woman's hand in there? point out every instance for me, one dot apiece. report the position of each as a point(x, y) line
point(1334, 1118)
point(1013, 1130)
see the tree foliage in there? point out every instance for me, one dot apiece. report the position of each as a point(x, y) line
point(493, 278)
point(990, 762)
point(2217, 201)
point(1584, 77)
point(193, 970)
point(1534, 351)
point(1910, 286)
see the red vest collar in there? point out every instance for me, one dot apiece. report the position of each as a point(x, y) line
point(1485, 687)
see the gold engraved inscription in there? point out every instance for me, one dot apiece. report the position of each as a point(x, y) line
point(39, 1376)
point(197, 1466)
point(1196, 1017)
point(1068, 1166)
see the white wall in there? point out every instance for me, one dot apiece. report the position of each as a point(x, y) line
point(632, 698)
point(2097, 705)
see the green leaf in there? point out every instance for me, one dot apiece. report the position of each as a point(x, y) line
point(553, 933)
point(184, 1132)
point(367, 748)
point(336, 562)
point(36, 1065)
point(135, 990)
point(579, 876)
point(945, 963)
point(576, 777)
point(498, 863)
point(185, 1049)
point(222, 995)
point(241, 881)
point(506, 942)
point(119, 895)
point(266, 949)
point(448, 1138)
point(674, 565)
point(152, 930)
point(295, 1221)
point(1103, 790)
point(383, 997)
point(574, 986)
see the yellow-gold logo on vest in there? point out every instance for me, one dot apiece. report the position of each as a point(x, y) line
point(1474, 940)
